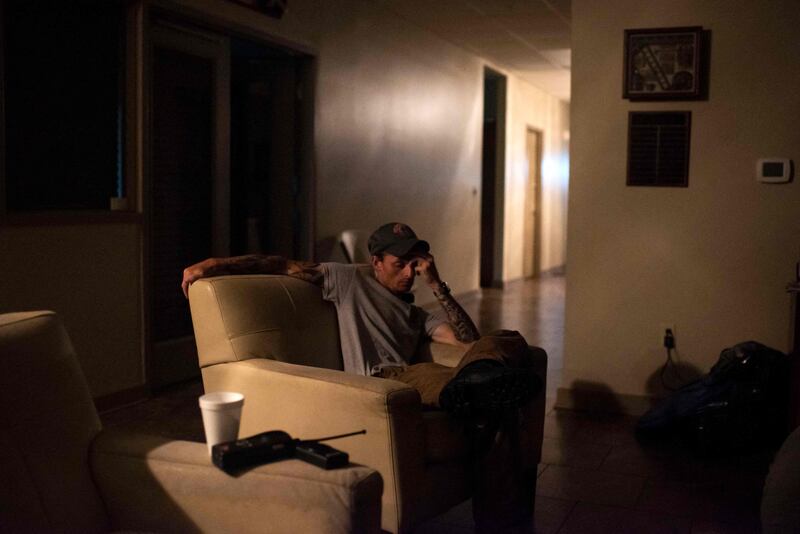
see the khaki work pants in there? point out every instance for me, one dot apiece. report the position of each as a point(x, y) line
point(505, 346)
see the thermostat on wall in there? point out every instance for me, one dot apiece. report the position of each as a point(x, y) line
point(774, 170)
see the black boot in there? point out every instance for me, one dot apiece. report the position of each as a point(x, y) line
point(488, 387)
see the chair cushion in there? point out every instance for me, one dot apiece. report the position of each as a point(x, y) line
point(48, 422)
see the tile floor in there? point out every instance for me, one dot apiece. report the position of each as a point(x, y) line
point(595, 477)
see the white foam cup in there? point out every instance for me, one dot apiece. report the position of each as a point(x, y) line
point(222, 411)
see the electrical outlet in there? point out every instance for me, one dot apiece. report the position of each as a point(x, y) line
point(662, 331)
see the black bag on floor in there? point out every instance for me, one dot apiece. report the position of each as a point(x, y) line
point(739, 405)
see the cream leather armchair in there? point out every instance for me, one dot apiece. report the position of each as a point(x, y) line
point(274, 339)
point(61, 472)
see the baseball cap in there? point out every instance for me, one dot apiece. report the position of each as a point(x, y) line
point(395, 238)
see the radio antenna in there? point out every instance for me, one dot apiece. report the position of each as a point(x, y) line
point(337, 436)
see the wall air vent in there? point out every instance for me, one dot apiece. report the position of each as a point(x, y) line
point(658, 148)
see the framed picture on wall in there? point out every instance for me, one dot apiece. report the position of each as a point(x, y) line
point(666, 64)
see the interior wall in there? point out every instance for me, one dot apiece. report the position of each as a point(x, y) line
point(712, 259)
point(412, 115)
point(398, 134)
point(530, 107)
point(90, 276)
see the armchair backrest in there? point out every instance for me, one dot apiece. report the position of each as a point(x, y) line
point(263, 316)
point(48, 421)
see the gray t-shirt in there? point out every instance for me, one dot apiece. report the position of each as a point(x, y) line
point(376, 328)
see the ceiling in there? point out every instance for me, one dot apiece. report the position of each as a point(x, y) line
point(530, 38)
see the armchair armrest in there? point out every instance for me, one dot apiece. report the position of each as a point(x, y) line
point(309, 402)
point(150, 483)
point(279, 392)
point(301, 387)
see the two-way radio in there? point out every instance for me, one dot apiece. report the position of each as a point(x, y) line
point(278, 445)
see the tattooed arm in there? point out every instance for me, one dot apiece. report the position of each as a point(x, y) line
point(459, 329)
point(251, 264)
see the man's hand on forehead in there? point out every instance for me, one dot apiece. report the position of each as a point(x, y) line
point(423, 264)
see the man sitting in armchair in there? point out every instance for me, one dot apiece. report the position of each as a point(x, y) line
point(380, 333)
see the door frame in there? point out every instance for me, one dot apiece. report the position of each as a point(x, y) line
point(493, 184)
point(161, 31)
point(534, 240)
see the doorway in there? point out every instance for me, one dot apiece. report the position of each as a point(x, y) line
point(493, 178)
point(531, 259)
point(188, 194)
point(230, 163)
